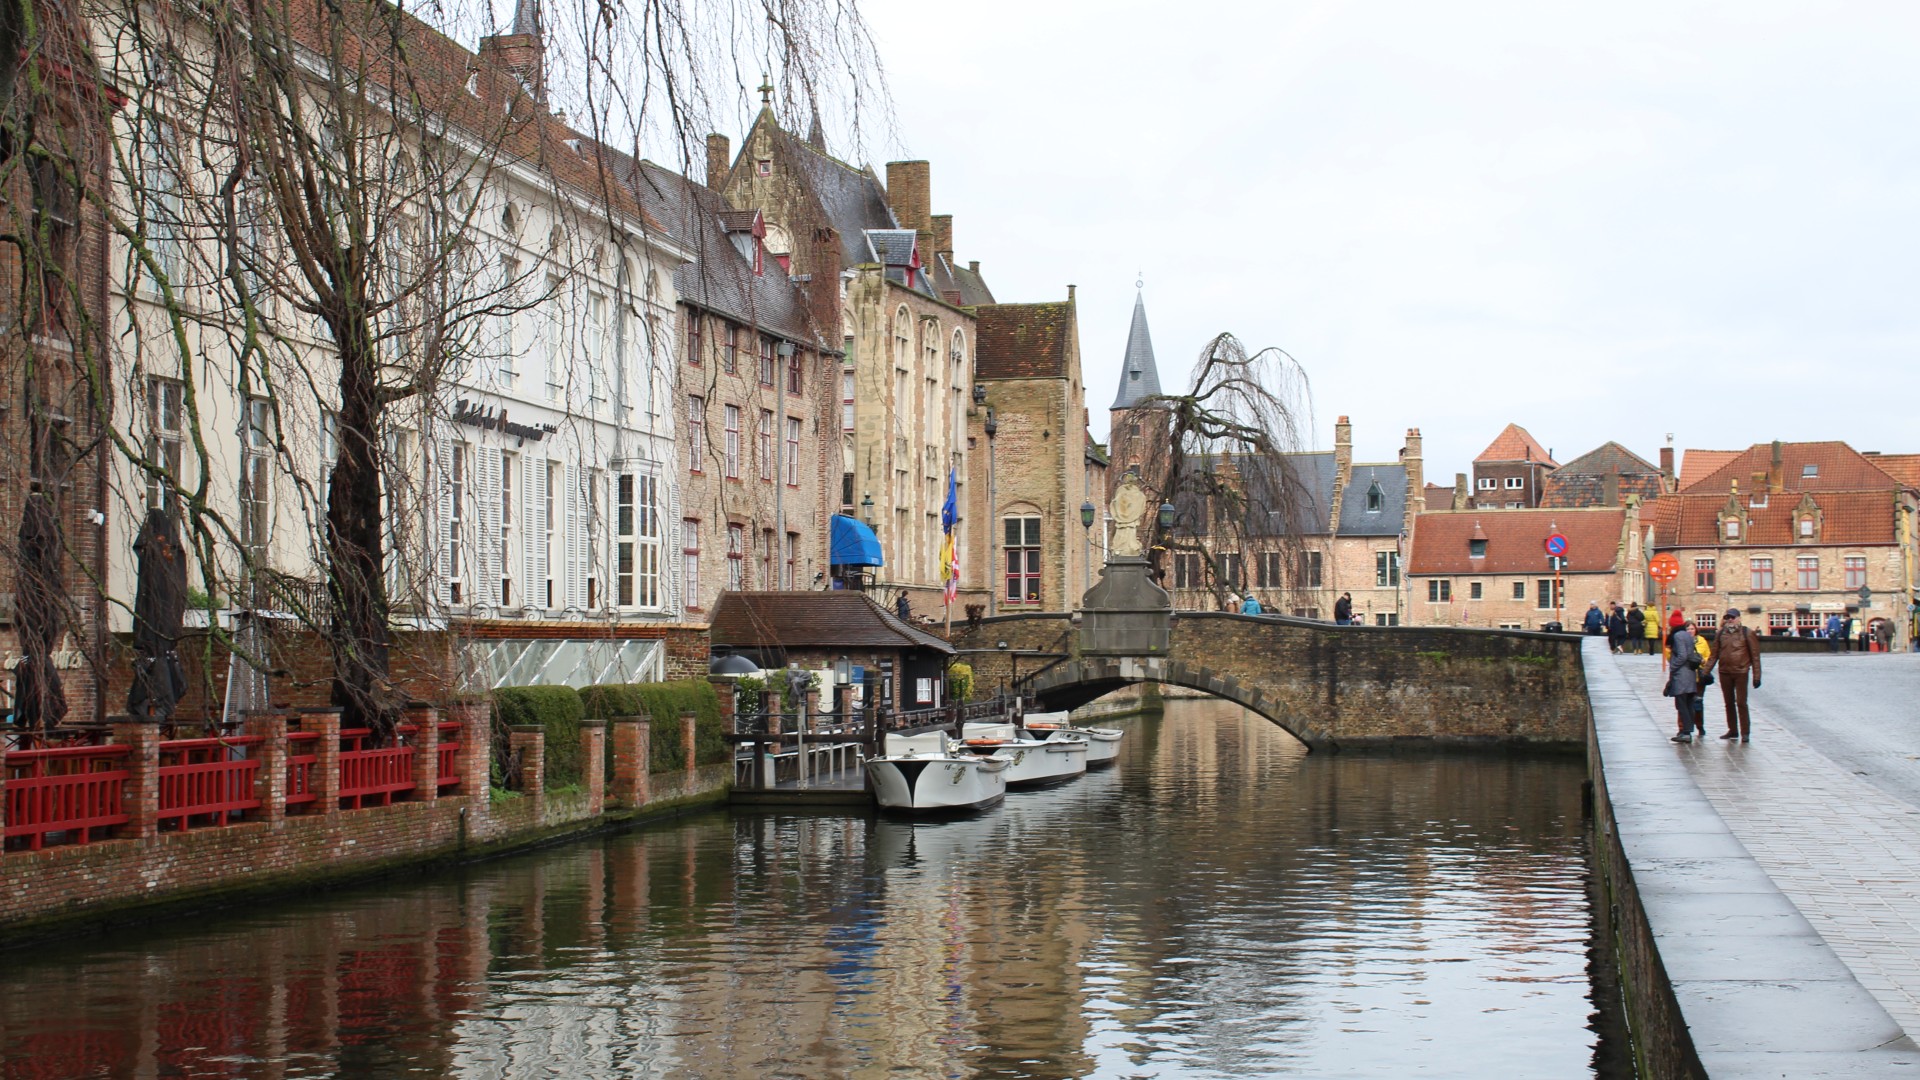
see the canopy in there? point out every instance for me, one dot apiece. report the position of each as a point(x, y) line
point(854, 544)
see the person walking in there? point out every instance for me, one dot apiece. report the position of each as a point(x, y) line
point(1251, 605)
point(1683, 678)
point(1738, 653)
point(1343, 609)
point(1617, 629)
point(1836, 632)
point(1705, 652)
point(1883, 633)
point(1653, 632)
point(1636, 628)
point(1596, 622)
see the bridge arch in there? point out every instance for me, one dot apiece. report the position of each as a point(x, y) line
point(1073, 683)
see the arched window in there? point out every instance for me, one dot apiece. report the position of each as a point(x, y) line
point(902, 338)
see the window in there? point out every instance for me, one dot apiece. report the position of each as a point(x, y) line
point(636, 541)
point(1762, 575)
point(1386, 569)
point(1733, 528)
point(509, 375)
point(1703, 575)
point(733, 442)
point(846, 400)
point(1806, 527)
point(795, 372)
point(1439, 592)
point(162, 215)
point(1387, 618)
point(766, 559)
point(329, 455)
point(593, 529)
point(1546, 596)
point(256, 492)
point(1808, 567)
point(766, 444)
point(1515, 483)
point(458, 460)
point(1519, 590)
point(846, 492)
point(1855, 568)
point(766, 361)
point(550, 525)
point(790, 561)
point(1473, 590)
point(1376, 498)
point(1809, 470)
point(509, 465)
point(1758, 502)
point(165, 407)
point(1266, 570)
point(1806, 622)
point(1310, 569)
point(729, 348)
point(1779, 622)
point(554, 341)
point(1476, 549)
point(1515, 506)
point(1186, 570)
point(693, 337)
point(696, 433)
point(793, 452)
point(1231, 570)
point(595, 350)
point(56, 210)
point(1706, 620)
point(690, 562)
point(1023, 560)
point(1485, 483)
point(736, 556)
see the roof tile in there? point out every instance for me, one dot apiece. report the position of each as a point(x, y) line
point(1515, 444)
point(1023, 341)
point(832, 620)
point(1516, 540)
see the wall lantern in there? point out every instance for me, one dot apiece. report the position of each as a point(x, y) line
point(992, 425)
point(1166, 515)
point(979, 393)
point(1086, 514)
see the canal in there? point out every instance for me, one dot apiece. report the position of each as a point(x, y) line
point(1219, 904)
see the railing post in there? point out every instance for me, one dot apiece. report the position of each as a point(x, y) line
point(724, 690)
point(426, 749)
point(140, 799)
point(270, 783)
point(529, 743)
point(476, 746)
point(3, 786)
point(593, 747)
point(324, 723)
point(690, 738)
point(632, 760)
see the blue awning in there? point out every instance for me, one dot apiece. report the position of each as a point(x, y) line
point(854, 544)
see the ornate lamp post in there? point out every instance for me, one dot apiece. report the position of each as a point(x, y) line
point(992, 428)
point(1087, 512)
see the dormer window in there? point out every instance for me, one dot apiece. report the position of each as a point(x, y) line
point(1806, 527)
point(1758, 502)
point(1809, 470)
point(1733, 528)
point(1476, 549)
point(1376, 498)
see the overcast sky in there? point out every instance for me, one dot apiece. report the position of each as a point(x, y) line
point(1607, 223)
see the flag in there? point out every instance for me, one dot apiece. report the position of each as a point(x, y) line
point(949, 554)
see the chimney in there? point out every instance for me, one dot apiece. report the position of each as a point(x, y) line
point(1342, 467)
point(1416, 475)
point(943, 235)
point(973, 265)
point(909, 196)
point(523, 53)
point(1069, 294)
point(719, 161)
point(1460, 490)
point(1775, 480)
point(1610, 489)
point(822, 290)
point(1666, 468)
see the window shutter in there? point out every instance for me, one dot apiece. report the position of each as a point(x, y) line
point(443, 459)
point(533, 522)
point(487, 545)
point(572, 542)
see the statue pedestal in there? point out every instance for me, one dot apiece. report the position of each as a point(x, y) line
point(1126, 614)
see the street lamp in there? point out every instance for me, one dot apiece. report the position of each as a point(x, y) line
point(866, 509)
point(1086, 513)
point(1166, 516)
point(992, 428)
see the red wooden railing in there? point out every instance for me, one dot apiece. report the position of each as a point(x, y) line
point(372, 777)
point(302, 753)
point(207, 781)
point(449, 755)
point(72, 794)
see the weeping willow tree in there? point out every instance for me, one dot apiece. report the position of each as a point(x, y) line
point(1221, 455)
point(292, 201)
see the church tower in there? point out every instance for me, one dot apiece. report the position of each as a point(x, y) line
point(1133, 420)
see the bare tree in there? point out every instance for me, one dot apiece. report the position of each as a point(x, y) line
point(1219, 454)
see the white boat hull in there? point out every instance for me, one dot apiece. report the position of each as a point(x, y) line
point(934, 783)
point(1103, 744)
point(1032, 762)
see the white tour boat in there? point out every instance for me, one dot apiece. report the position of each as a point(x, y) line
point(930, 773)
point(1103, 744)
point(1034, 761)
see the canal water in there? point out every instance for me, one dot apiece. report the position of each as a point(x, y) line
point(1220, 904)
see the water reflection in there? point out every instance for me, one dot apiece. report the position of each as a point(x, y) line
point(1220, 904)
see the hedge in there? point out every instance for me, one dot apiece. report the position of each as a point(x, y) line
point(556, 709)
point(663, 702)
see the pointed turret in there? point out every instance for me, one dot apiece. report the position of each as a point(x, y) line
point(1139, 377)
point(526, 17)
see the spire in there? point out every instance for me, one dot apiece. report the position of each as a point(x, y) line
point(1139, 377)
point(526, 17)
point(817, 134)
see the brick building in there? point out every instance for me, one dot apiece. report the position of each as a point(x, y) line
point(1490, 569)
point(1790, 532)
point(1604, 476)
point(1511, 473)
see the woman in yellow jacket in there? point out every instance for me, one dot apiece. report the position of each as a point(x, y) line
point(1700, 699)
point(1653, 630)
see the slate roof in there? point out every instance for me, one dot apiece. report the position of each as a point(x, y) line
point(1516, 541)
point(1846, 518)
point(1305, 479)
point(1839, 467)
point(1514, 444)
point(720, 279)
point(1697, 465)
point(853, 199)
point(1023, 341)
point(822, 620)
point(961, 286)
point(1139, 376)
point(889, 247)
point(1583, 481)
point(1356, 519)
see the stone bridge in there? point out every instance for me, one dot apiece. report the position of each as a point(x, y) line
point(1328, 686)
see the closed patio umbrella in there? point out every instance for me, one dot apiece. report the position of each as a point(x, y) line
point(38, 701)
point(159, 601)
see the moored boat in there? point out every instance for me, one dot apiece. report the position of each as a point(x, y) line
point(1033, 761)
point(929, 773)
point(1103, 744)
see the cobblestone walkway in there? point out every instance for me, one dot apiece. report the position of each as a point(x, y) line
point(1838, 832)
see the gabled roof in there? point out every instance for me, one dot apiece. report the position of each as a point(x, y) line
point(1023, 341)
point(1902, 467)
point(961, 286)
point(821, 620)
point(1837, 467)
point(1514, 444)
point(1355, 517)
point(1139, 375)
point(1516, 541)
point(1846, 517)
point(1697, 465)
point(1584, 480)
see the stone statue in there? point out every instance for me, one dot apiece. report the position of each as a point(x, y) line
point(1129, 506)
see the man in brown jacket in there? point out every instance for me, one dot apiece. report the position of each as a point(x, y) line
point(1736, 651)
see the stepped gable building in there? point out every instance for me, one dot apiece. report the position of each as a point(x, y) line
point(1478, 568)
point(757, 392)
point(1790, 532)
point(1037, 471)
point(1603, 476)
point(878, 270)
point(1511, 473)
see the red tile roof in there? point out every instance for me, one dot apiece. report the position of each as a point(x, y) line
point(830, 620)
point(1846, 517)
point(1514, 444)
point(1902, 467)
point(1838, 467)
point(1516, 540)
point(1697, 465)
point(1023, 341)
